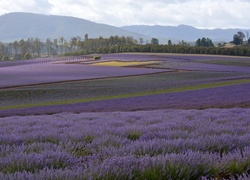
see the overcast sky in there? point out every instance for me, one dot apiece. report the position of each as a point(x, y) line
point(198, 13)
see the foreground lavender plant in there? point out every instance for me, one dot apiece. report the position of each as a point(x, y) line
point(161, 144)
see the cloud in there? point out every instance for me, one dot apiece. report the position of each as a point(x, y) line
point(198, 13)
point(35, 6)
point(42, 6)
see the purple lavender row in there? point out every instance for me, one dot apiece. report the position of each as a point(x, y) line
point(169, 144)
point(228, 96)
point(45, 73)
point(42, 61)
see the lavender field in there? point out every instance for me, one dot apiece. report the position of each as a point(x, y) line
point(73, 83)
point(50, 72)
point(160, 144)
point(180, 117)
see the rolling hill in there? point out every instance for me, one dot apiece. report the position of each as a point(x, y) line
point(14, 26)
point(184, 32)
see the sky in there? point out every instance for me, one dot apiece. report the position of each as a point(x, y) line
point(204, 14)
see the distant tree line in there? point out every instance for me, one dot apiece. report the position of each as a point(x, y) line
point(204, 42)
point(34, 47)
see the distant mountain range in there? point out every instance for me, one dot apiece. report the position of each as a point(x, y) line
point(184, 32)
point(15, 26)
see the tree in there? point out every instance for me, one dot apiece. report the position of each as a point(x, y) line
point(2, 50)
point(73, 43)
point(55, 41)
point(86, 37)
point(183, 43)
point(238, 38)
point(31, 45)
point(23, 47)
point(79, 42)
point(247, 36)
point(37, 46)
point(169, 42)
point(204, 42)
point(241, 35)
point(61, 41)
point(48, 46)
point(15, 47)
point(86, 42)
point(154, 41)
point(8, 50)
point(141, 41)
point(66, 46)
point(209, 43)
point(198, 42)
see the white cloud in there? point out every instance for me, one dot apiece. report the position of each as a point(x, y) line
point(198, 13)
point(35, 6)
point(10, 6)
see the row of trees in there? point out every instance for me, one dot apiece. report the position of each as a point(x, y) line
point(204, 42)
point(240, 38)
point(236, 51)
point(25, 49)
point(31, 48)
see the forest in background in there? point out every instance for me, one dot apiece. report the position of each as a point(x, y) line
point(34, 47)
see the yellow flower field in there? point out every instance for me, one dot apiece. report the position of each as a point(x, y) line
point(124, 63)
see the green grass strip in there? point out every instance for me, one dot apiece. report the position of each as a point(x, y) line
point(120, 96)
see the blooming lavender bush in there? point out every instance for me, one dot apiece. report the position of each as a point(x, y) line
point(160, 144)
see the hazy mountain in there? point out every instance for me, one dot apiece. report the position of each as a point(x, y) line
point(14, 26)
point(184, 32)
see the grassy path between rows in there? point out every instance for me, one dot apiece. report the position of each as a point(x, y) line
point(129, 95)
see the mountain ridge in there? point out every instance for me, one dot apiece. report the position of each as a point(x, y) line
point(184, 32)
point(14, 26)
point(19, 25)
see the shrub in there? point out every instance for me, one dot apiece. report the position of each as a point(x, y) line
point(27, 56)
point(97, 57)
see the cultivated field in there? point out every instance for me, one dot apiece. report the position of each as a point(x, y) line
point(125, 116)
point(124, 82)
point(160, 144)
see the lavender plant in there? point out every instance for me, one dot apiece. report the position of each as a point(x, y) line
point(160, 144)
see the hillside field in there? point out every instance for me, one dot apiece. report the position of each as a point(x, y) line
point(127, 116)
